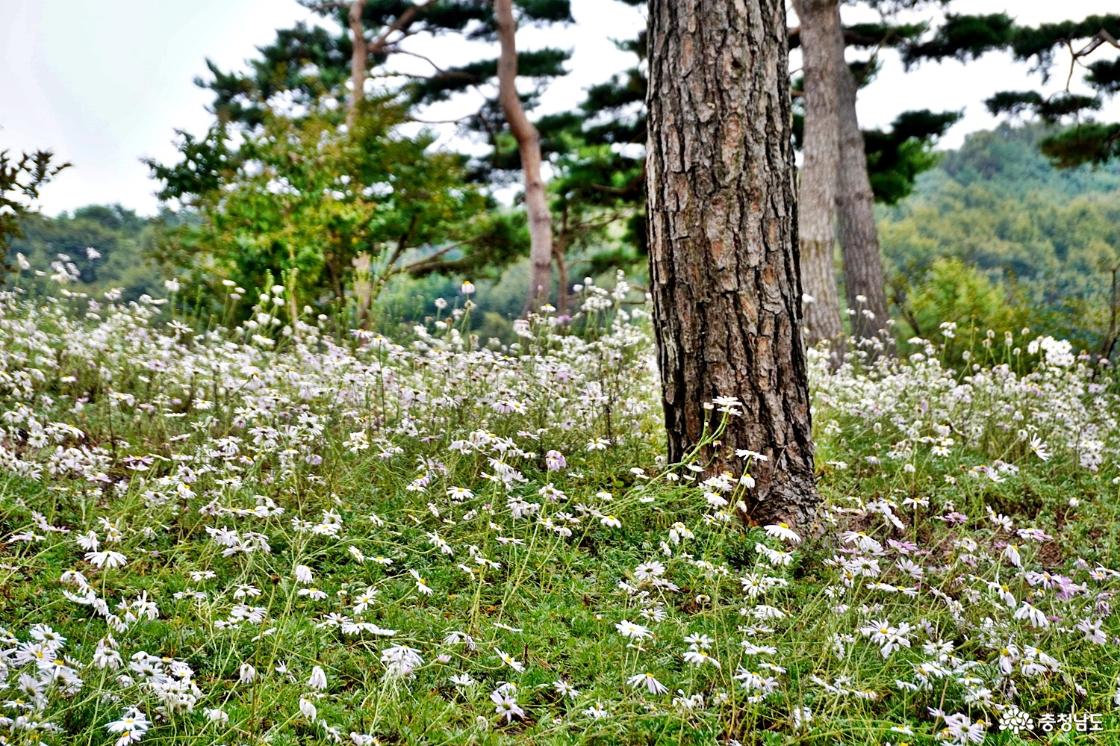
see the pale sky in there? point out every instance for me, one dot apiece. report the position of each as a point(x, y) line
point(105, 83)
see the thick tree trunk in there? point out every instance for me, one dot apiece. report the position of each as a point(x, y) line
point(722, 235)
point(359, 59)
point(859, 237)
point(816, 208)
point(529, 147)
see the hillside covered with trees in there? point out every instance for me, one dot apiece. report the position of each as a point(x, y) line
point(997, 234)
point(993, 234)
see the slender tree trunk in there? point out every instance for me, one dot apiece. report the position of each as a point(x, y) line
point(723, 246)
point(859, 237)
point(359, 59)
point(529, 148)
point(559, 253)
point(816, 206)
point(562, 281)
point(1109, 342)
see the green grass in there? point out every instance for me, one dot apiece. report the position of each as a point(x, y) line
point(233, 424)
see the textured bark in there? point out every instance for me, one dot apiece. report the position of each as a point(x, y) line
point(359, 59)
point(559, 253)
point(855, 203)
point(561, 282)
point(723, 254)
point(816, 205)
point(529, 148)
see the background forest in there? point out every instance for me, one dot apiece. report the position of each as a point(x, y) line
point(992, 234)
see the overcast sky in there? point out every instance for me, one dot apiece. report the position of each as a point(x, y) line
point(105, 83)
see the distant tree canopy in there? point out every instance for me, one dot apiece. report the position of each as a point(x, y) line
point(281, 185)
point(94, 249)
point(994, 219)
point(1048, 48)
point(1043, 240)
point(309, 63)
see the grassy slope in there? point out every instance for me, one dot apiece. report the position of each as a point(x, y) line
point(251, 417)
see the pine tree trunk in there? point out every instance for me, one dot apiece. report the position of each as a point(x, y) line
point(359, 59)
point(529, 147)
point(723, 254)
point(559, 253)
point(816, 206)
point(859, 237)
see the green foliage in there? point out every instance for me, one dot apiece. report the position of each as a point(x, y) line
point(896, 157)
point(303, 200)
point(1049, 109)
point(963, 37)
point(1091, 142)
point(1087, 141)
point(1040, 42)
point(20, 181)
point(203, 167)
point(311, 64)
point(97, 248)
point(539, 63)
point(956, 293)
point(1047, 238)
point(1104, 75)
point(1004, 160)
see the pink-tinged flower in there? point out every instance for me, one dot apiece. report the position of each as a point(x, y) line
point(962, 730)
point(902, 547)
point(555, 460)
point(955, 518)
point(648, 682)
point(506, 706)
point(1092, 631)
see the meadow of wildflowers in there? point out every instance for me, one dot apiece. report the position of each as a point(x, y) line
point(274, 533)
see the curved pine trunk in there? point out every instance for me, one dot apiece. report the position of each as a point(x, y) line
point(816, 207)
point(529, 148)
point(723, 255)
